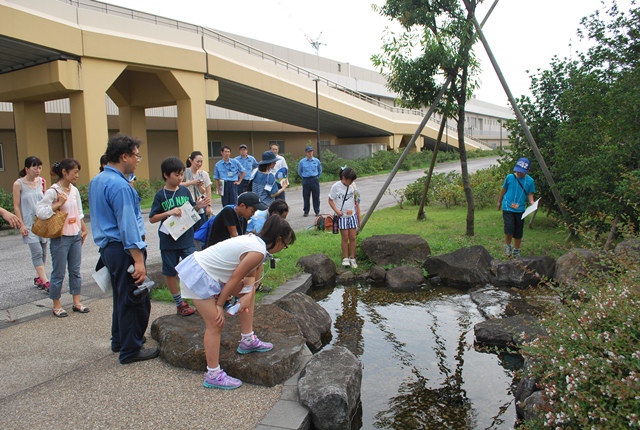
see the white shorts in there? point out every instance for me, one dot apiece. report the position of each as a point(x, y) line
point(195, 283)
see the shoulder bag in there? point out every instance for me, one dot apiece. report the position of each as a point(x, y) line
point(49, 228)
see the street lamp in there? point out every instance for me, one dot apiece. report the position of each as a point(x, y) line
point(318, 118)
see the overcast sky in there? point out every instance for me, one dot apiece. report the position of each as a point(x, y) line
point(523, 34)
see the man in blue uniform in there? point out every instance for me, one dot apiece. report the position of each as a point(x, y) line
point(118, 230)
point(249, 163)
point(228, 174)
point(310, 170)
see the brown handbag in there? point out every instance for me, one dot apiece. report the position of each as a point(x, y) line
point(49, 228)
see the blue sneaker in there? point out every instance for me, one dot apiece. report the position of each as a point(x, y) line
point(221, 380)
point(516, 253)
point(256, 345)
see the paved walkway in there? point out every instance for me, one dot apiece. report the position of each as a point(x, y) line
point(61, 371)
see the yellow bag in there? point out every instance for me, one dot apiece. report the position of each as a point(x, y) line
point(49, 228)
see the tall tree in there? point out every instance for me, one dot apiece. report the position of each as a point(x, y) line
point(585, 116)
point(436, 44)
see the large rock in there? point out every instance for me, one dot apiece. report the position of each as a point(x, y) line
point(396, 249)
point(182, 345)
point(629, 250)
point(508, 332)
point(525, 388)
point(322, 269)
point(464, 268)
point(572, 267)
point(523, 272)
point(376, 275)
point(494, 302)
point(312, 319)
point(404, 278)
point(329, 386)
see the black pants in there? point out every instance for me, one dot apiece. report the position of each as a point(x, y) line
point(311, 188)
point(130, 316)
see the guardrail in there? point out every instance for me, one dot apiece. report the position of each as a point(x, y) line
point(222, 38)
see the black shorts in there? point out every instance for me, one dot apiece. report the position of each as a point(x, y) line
point(513, 224)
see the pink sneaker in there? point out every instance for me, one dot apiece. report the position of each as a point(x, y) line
point(256, 345)
point(221, 380)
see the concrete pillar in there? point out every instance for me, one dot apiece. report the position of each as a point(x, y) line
point(31, 134)
point(134, 123)
point(191, 91)
point(89, 128)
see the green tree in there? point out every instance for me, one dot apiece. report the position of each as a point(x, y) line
point(585, 116)
point(436, 44)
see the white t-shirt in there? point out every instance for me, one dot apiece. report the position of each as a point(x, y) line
point(221, 259)
point(337, 194)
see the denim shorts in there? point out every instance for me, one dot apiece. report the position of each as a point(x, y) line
point(513, 224)
point(171, 258)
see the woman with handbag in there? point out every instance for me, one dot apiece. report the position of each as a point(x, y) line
point(66, 250)
point(28, 190)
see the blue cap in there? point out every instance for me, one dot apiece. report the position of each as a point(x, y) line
point(522, 166)
point(308, 148)
point(268, 157)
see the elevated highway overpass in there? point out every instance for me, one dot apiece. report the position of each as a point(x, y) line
point(82, 50)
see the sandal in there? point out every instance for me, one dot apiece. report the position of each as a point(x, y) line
point(80, 308)
point(60, 313)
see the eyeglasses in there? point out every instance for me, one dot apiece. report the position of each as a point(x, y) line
point(138, 156)
point(284, 243)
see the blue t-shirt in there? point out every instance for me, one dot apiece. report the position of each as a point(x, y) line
point(260, 181)
point(517, 192)
point(164, 201)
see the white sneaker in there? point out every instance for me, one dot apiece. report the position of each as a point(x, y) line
point(354, 265)
point(346, 262)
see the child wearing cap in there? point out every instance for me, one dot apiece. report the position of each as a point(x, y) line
point(264, 183)
point(517, 189)
point(232, 220)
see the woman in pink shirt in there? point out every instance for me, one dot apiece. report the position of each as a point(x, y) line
point(66, 250)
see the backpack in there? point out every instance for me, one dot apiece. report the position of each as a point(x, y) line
point(203, 232)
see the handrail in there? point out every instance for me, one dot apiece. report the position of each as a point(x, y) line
point(222, 38)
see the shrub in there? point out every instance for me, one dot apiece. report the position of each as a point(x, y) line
point(486, 184)
point(6, 202)
point(589, 364)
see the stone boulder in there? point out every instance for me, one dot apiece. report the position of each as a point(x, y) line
point(533, 407)
point(525, 388)
point(322, 269)
point(508, 332)
point(629, 249)
point(404, 278)
point(346, 278)
point(376, 275)
point(181, 344)
point(572, 267)
point(494, 302)
point(313, 320)
point(464, 268)
point(396, 249)
point(329, 386)
point(523, 272)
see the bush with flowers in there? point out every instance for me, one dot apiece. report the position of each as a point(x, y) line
point(589, 364)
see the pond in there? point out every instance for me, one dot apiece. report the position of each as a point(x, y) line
point(420, 368)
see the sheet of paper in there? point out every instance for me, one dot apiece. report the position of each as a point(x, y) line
point(176, 226)
point(103, 279)
point(530, 209)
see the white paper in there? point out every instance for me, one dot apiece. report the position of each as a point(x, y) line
point(176, 226)
point(103, 279)
point(530, 209)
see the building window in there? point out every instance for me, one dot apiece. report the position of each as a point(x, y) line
point(213, 148)
point(1, 158)
point(280, 144)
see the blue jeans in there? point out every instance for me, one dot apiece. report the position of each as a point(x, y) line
point(311, 188)
point(65, 251)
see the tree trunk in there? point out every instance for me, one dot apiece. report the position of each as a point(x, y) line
point(421, 214)
point(465, 171)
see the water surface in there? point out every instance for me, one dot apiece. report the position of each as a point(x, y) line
point(420, 368)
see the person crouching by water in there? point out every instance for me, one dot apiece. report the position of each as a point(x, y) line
point(231, 267)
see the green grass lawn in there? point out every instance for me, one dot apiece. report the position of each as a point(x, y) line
point(444, 230)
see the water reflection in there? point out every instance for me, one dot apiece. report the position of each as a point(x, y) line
point(420, 368)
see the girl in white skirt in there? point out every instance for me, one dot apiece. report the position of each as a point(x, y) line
point(231, 267)
point(343, 200)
